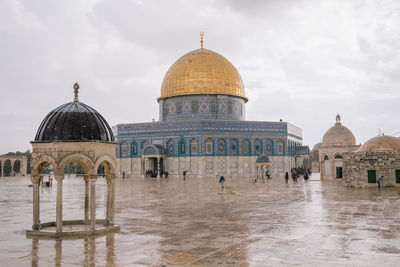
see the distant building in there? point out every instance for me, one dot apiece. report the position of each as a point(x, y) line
point(337, 140)
point(379, 156)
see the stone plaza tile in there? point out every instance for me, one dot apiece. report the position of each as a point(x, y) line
point(171, 222)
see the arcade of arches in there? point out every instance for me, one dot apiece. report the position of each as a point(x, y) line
point(13, 165)
point(91, 157)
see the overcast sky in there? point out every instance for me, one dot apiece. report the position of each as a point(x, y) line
point(300, 61)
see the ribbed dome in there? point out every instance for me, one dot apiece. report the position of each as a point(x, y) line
point(338, 135)
point(202, 71)
point(381, 143)
point(75, 122)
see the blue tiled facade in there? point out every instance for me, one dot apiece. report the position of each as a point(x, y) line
point(209, 138)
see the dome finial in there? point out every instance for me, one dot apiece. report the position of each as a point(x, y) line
point(338, 118)
point(201, 39)
point(76, 91)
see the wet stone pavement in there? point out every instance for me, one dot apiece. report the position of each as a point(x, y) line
point(171, 222)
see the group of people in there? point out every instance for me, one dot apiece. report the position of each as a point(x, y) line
point(295, 175)
point(154, 173)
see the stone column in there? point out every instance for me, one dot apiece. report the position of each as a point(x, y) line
point(36, 202)
point(86, 217)
point(92, 181)
point(59, 204)
point(158, 167)
point(110, 200)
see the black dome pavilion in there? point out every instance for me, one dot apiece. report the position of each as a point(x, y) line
point(74, 122)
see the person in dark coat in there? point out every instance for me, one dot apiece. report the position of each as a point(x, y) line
point(286, 177)
point(222, 182)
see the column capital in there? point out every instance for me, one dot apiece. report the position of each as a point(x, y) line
point(59, 177)
point(35, 179)
point(110, 177)
point(92, 177)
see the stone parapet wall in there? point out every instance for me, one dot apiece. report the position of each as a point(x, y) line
point(357, 164)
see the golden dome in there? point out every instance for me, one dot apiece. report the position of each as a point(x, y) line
point(202, 71)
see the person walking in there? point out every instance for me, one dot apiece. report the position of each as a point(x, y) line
point(305, 176)
point(379, 181)
point(222, 181)
point(286, 177)
point(184, 175)
point(268, 174)
point(294, 177)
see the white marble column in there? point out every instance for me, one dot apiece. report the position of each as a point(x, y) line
point(86, 215)
point(36, 202)
point(59, 204)
point(92, 182)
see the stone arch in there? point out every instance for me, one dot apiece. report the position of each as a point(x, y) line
point(108, 163)
point(324, 157)
point(39, 163)
point(84, 161)
point(17, 166)
point(338, 156)
point(7, 168)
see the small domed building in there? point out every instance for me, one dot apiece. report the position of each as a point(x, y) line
point(202, 128)
point(74, 133)
point(379, 156)
point(336, 141)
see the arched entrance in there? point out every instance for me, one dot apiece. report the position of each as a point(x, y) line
point(153, 159)
point(263, 166)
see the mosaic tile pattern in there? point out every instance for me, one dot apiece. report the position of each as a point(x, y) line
point(227, 138)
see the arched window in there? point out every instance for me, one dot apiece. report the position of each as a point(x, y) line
point(234, 147)
point(257, 147)
point(194, 147)
point(221, 147)
point(17, 166)
point(280, 147)
point(134, 148)
point(124, 149)
point(171, 147)
point(338, 157)
point(269, 148)
point(326, 157)
point(182, 147)
point(209, 146)
point(246, 147)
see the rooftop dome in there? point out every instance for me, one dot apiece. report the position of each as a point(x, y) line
point(338, 135)
point(381, 143)
point(74, 122)
point(317, 146)
point(202, 71)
